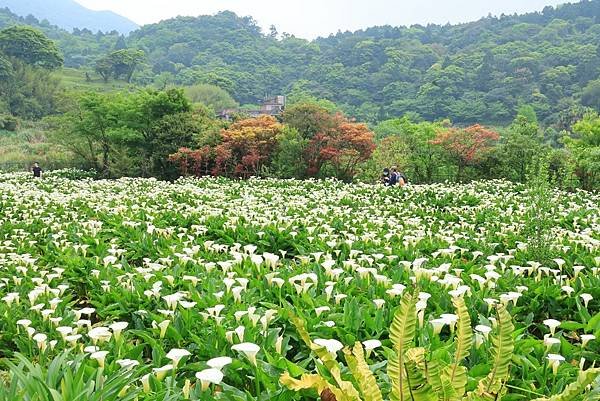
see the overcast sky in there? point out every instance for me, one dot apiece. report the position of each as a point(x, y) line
point(312, 18)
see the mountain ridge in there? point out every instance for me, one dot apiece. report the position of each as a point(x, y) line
point(68, 14)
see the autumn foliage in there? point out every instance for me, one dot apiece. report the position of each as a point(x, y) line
point(331, 145)
point(193, 162)
point(247, 146)
point(342, 148)
point(468, 146)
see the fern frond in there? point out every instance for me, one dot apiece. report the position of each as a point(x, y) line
point(418, 387)
point(362, 374)
point(322, 353)
point(575, 389)
point(327, 359)
point(457, 374)
point(439, 382)
point(402, 334)
point(417, 355)
point(312, 382)
point(594, 395)
point(501, 353)
point(464, 332)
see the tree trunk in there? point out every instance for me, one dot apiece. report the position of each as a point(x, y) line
point(105, 160)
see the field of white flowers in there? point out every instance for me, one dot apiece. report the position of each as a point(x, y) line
point(137, 289)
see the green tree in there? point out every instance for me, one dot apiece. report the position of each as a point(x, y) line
point(521, 146)
point(143, 116)
point(424, 159)
point(137, 130)
point(288, 161)
point(591, 95)
point(92, 129)
point(211, 96)
point(391, 151)
point(31, 46)
point(120, 64)
point(27, 88)
point(585, 148)
point(309, 119)
point(301, 93)
point(175, 131)
point(104, 68)
point(32, 92)
point(120, 44)
point(6, 68)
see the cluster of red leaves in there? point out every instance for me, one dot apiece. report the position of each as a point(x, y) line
point(248, 145)
point(344, 146)
point(468, 146)
point(192, 162)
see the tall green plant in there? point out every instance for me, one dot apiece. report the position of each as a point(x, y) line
point(538, 221)
point(413, 374)
point(65, 379)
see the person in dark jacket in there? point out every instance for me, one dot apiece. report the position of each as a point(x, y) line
point(37, 170)
point(385, 177)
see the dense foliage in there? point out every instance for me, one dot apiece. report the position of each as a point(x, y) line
point(479, 72)
point(130, 134)
point(27, 88)
point(476, 72)
point(79, 47)
point(149, 290)
point(162, 134)
point(417, 89)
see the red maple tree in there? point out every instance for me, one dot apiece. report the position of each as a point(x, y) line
point(193, 162)
point(343, 147)
point(468, 146)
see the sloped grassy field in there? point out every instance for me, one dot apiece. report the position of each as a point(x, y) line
point(141, 289)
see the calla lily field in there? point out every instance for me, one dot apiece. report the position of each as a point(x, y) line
point(266, 289)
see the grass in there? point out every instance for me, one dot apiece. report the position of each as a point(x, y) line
point(75, 79)
point(19, 150)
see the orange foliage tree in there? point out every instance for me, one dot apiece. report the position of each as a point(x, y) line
point(466, 147)
point(193, 162)
point(247, 146)
point(342, 147)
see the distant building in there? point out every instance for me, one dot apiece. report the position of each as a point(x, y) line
point(273, 106)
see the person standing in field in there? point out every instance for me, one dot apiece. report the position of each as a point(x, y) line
point(397, 178)
point(385, 177)
point(37, 170)
point(394, 177)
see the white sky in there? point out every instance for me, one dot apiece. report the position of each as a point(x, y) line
point(312, 18)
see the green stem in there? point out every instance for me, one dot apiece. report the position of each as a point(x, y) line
point(524, 390)
point(257, 383)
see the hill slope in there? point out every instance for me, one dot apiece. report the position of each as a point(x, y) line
point(68, 14)
point(478, 72)
point(474, 72)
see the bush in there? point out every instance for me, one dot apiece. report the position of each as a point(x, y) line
point(9, 123)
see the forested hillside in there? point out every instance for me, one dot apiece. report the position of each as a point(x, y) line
point(79, 48)
point(475, 72)
point(480, 71)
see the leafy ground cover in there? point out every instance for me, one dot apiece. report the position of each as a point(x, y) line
point(209, 288)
